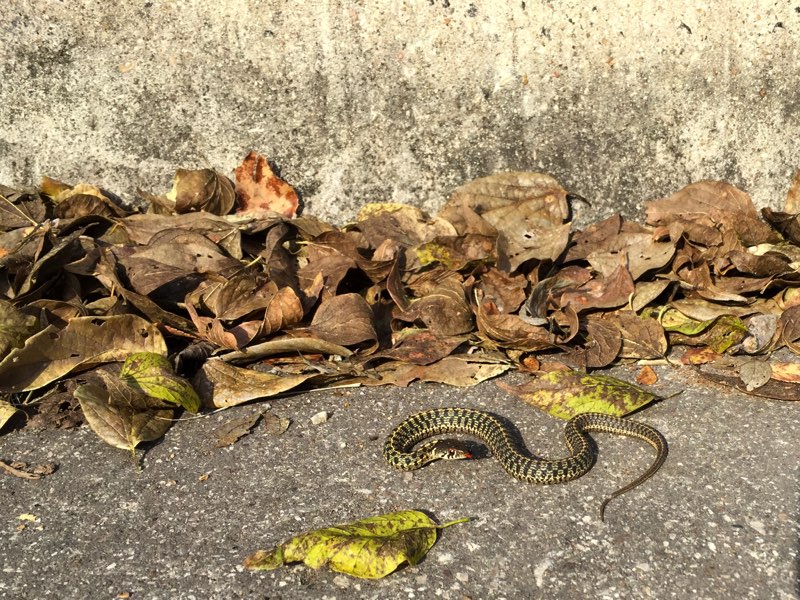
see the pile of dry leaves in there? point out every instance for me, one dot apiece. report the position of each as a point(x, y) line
point(220, 293)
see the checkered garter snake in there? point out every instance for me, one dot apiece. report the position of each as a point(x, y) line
point(398, 449)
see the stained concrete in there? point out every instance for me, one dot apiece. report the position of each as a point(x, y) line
point(403, 100)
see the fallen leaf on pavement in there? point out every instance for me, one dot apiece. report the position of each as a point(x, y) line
point(370, 548)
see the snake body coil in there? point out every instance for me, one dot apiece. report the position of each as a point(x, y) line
point(398, 449)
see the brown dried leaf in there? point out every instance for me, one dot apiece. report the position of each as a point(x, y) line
point(284, 310)
point(200, 190)
point(440, 304)
point(461, 371)
point(221, 385)
point(261, 191)
point(142, 228)
point(642, 338)
point(603, 345)
point(712, 204)
point(239, 296)
point(511, 331)
point(406, 225)
point(600, 292)
point(214, 331)
point(346, 320)
point(506, 291)
point(420, 347)
point(235, 429)
point(84, 342)
point(527, 209)
point(122, 417)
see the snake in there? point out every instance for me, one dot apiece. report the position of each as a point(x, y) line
point(503, 442)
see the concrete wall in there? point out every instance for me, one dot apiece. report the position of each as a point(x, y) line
point(361, 101)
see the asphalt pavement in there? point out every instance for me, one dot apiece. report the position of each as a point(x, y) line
point(718, 521)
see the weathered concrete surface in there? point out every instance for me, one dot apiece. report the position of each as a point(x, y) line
point(719, 521)
point(403, 100)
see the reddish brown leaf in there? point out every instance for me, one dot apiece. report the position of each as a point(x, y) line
point(284, 310)
point(261, 191)
point(642, 338)
point(647, 376)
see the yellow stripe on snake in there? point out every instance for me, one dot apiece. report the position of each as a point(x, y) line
point(398, 449)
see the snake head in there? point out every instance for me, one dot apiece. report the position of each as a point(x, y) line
point(448, 450)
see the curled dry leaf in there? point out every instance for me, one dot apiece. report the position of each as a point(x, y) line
point(221, 385)
point(788, 372)
point(201, 190)
point(528, 209)
point(283, 311)
point(214, 331)
point(420, 347)
point(370, 548)
point(777, 390)
point(715, 204)
point(603, 345)
point(600, 292)
point(511, 331)
point(261, 191)
point(460, 370)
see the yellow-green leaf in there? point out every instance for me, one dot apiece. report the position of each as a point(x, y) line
point(565, 394)
point(153, 374)
point(675, 321)
point(370, 548)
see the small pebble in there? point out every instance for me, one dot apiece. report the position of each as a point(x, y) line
point(320, 417)
point(758, 526)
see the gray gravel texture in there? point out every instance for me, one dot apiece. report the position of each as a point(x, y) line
point(719, 521)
